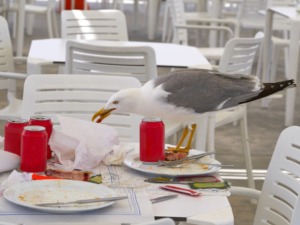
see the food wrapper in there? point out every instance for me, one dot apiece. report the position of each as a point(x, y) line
point(80, 144)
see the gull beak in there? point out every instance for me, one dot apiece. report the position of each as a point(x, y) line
point(102, 114)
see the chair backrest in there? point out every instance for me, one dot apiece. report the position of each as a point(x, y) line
point(6, 52)
point(6, 60)
point(88, 58)
point(250, 8)
point(178, 18)
point(279, 202)
point(94, 25)
point(79, 96)
point(239, 54)
point(181, 28)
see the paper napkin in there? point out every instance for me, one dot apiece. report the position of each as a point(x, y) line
point(80, 144)
point(8, 161)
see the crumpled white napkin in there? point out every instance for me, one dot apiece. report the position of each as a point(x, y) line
point(14, 178)
point(8, 160)
point(82, 144)
point(116, 157)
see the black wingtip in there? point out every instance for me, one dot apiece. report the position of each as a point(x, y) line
point(271, 88)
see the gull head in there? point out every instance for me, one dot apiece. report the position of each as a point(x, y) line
point(123, 101)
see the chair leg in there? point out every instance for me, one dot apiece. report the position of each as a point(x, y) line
point(246, 149)
point(29, 24)
point(165, 23)
point(54, 24)
point(201, 135)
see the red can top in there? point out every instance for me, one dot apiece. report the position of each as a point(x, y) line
point(17, 121)
point(34, 128)
point(152, 119)
point(39, 117)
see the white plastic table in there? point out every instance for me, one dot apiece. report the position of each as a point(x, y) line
point(293, 61)
point(49, 51)
point(206, 209)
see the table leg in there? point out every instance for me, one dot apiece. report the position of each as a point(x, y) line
point(215, 13)
point(292, 72)
point(21, 24)
point(267, 51)
point(35, 66)
point(153, 7)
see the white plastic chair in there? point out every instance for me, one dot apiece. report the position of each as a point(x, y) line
point(79, 96)
point(181, 28)
point(238, 58)
point(279, 199)
point(86, 58)
point(94, 25)
point(39, 9)
point(250, 16)
point(8, 76)
point(133, 61)
point(167, 25)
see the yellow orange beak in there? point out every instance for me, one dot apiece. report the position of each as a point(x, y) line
point(102, 114)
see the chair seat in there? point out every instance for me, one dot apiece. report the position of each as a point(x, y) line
point(212, 53)
point(36, 9)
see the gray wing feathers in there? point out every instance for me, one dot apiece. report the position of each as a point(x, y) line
point(202, 90)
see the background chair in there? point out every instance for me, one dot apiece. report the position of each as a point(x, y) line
point(238, 58)
point(181, 28)
point(8, 77)
point(37, 9)
point(79, 96)
point(94, 25)
point(279, 199)
point(134, 61)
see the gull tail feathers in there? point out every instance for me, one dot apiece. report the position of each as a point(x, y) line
point(271, 88)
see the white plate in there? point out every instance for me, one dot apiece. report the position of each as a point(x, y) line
point(132, 160)
point(34, 192)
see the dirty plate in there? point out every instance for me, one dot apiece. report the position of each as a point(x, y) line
point(132, 160)
point(36, 192)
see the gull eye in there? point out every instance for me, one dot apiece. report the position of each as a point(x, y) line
point(115, 102)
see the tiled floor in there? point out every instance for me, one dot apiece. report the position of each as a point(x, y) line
point(264, 125)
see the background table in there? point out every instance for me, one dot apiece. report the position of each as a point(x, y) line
point(48, 51)
point(293, 60)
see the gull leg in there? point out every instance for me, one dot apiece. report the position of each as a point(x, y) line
point(192, 133)
point(183, 137)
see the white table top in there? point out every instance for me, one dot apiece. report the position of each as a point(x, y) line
point(170, 55)
point(287, 11)
point(131, 182)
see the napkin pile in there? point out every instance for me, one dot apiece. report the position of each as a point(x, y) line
point(8, 160)
point(80, 144)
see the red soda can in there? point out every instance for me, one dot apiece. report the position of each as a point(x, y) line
point(46, 122)
point(152, 140)
point(12, 135)
point(33, 149)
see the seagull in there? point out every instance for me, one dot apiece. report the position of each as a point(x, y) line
point(183, 95)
